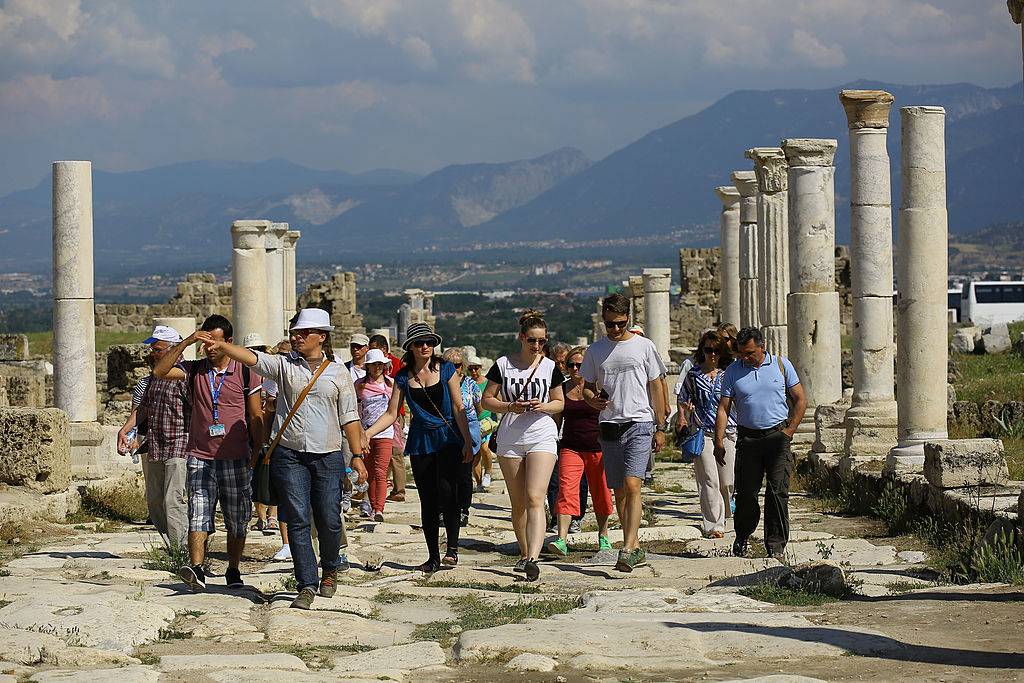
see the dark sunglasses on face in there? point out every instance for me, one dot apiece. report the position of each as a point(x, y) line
point(542, 341)
point(574, 366)
point(422, 342)
point(710, 349)
point(357, 346)
point(616, 324)
point(458, 366)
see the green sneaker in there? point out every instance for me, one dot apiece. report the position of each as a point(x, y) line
point(603, 543)
point(631, 559)
point(558, 547)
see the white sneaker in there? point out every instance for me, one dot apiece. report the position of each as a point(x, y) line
point(284, 554)
point(378, 516)
point(485, 481)
point(365, 510)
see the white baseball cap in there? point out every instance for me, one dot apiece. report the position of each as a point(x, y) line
point(313, 319)
point(164, 333)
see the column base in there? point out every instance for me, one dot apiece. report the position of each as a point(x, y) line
point(905, 458)
point(94, 451)
point(871, 430)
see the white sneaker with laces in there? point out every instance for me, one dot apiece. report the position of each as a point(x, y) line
point(284, 554)
point(365, 510)
point(485, 481)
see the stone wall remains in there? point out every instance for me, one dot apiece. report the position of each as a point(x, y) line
point(37, 449)
point(198, 296)
point(844, 286)
point(337, 296)
point(699, 304)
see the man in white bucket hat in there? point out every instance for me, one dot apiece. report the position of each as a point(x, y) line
point(307, 465)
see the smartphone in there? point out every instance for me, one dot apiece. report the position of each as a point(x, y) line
point(603, 394)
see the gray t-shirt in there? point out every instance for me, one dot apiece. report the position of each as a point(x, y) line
point(623, 369)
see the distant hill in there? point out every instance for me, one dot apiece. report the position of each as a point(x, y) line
point(666, 178)
point(994, 248)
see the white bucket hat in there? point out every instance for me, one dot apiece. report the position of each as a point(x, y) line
point(313, 319)
point(376, 356)
point(164, 333)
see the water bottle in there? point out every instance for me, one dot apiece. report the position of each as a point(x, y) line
point(353, 477)
point(130, 439)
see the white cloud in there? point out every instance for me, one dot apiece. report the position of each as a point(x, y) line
point(419, 52)
point(812, 52)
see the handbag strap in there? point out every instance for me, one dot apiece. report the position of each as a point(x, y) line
point(433, 405)
point(295, 407)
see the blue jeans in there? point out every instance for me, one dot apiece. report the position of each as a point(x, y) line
point(306, 481)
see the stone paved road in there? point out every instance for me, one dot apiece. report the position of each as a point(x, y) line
point(86, 609)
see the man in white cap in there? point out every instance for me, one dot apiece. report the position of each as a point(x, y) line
point(161, 411)
point(358, 345)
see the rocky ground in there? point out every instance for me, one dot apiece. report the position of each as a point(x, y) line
point(85, 607)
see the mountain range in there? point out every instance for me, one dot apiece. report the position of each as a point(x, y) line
point(177, 216)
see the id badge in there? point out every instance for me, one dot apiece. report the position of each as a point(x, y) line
point(217, 430)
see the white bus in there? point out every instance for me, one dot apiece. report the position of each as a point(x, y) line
point(987, 303)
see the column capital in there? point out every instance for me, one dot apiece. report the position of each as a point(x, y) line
point(249, 234)
point(291, 237)
point(810, 151)
point(728, 195)
point(866, 108)
point(657, 279)
point(770, 167)
point(745, 183)
point(1016, 8)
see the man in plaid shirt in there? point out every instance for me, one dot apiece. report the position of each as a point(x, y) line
point(164, 409)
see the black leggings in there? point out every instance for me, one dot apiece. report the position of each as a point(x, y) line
point(465, 485)
point(437, 481)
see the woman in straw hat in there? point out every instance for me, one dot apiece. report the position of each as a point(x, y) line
point(439, 441)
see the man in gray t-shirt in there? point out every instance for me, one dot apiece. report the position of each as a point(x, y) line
point(625, 380)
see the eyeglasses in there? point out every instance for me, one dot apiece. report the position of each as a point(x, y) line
point(533, 340)
point(458, 366)
point(710, 349)
point(357, 346)
point(616, 324)
point(422, 342)
point(574, 366)
point(302, 334)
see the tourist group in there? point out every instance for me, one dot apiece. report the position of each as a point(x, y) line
point(304, 437)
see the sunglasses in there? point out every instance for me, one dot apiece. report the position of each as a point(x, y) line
point(710, 349)
point(458, 366)
point(574, 366)
point(541, 341)
point(302, 334)
point(357, 346)
point(616, 324)
point(422, 342)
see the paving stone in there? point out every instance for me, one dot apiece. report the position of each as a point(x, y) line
point(278, 661)
point(668, 600)
point(401, 657)
point(128, 674)
point(531, 662)
point(300, 627)
point(913, 556)
point(27, 647)
point(854, 551)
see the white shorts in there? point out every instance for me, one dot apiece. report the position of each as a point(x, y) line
point(518, 450)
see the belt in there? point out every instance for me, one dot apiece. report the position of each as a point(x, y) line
point(748, 433)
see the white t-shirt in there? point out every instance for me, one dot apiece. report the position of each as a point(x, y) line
point(623, 369)
point(525, 429)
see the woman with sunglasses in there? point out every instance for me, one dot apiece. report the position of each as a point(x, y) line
point(698, 406)
point(439, 441)
point(580, 460)
point(527, 387)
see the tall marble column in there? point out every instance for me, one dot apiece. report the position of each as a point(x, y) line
point(275, 236)
point(1016, 8)
point(184, 327)
point(404, 320)
point(729, 241)
point(921, 281)
point(657, 282)
point(813, 304)
point(746, 184)
point(772, 244)
point(74, 325)
point(249, 277)
point(871, 420)
point(290, 285)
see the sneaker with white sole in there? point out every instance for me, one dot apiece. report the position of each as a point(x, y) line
point(194, 576)
point(486, 481)
point(284, 554)
point(365, 511)
point(575, 526)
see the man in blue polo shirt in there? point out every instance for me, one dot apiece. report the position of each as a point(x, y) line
point(769, 403)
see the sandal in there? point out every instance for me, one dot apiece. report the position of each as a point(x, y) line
point(451, 558)
point(429, 567)
point(716, 534)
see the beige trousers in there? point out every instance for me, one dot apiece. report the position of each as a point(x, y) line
point(715, 483)
point(167, 498)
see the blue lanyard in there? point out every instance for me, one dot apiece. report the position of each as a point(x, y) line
point(215, 390)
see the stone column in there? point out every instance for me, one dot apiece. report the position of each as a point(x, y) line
point(657, 282)
point(74, 325)
point(415, 297)
point(729, 241)
point(871, 420)
point(290, 285)
point(249, 277)
point(275, 237)
point(772, 244)
point(404, 320)
point(184, 327)
point(921, 283)
point(746, 184)
point(635, 288)
point(1016, 8)
point(813, 304)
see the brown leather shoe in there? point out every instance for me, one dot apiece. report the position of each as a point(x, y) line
point(398, 497)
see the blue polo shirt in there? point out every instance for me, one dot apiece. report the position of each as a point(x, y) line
point(758, 393)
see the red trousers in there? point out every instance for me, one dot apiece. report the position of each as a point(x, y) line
point(377, 462)
point(571, 465)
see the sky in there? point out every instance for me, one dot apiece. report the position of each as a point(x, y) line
point(419, 84)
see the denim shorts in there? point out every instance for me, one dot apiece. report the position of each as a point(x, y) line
point(628, 455)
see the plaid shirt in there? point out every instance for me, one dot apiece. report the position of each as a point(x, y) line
point(166, 410)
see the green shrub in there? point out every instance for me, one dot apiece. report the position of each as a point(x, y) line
point(123, 501)
point(163, 559)
point(893, 507)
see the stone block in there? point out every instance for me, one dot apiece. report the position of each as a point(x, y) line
point(13, 347)
point(959, 463)
point(995, 343)
point(25, 388)
point(999, 329)
point(36, 451)
point(126, 363)
point(963, 342)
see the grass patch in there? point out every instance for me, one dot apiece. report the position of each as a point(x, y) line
point(289, 584)
point(901, 587)
point(194, 613)
point(41, 343)
point(163, 559)
point(172, 633)
point(475, 613)
point(990, 378)
point(670, 488)
point(792, 597)
point(523, 588)
point(122, 503)
point(389, 596)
